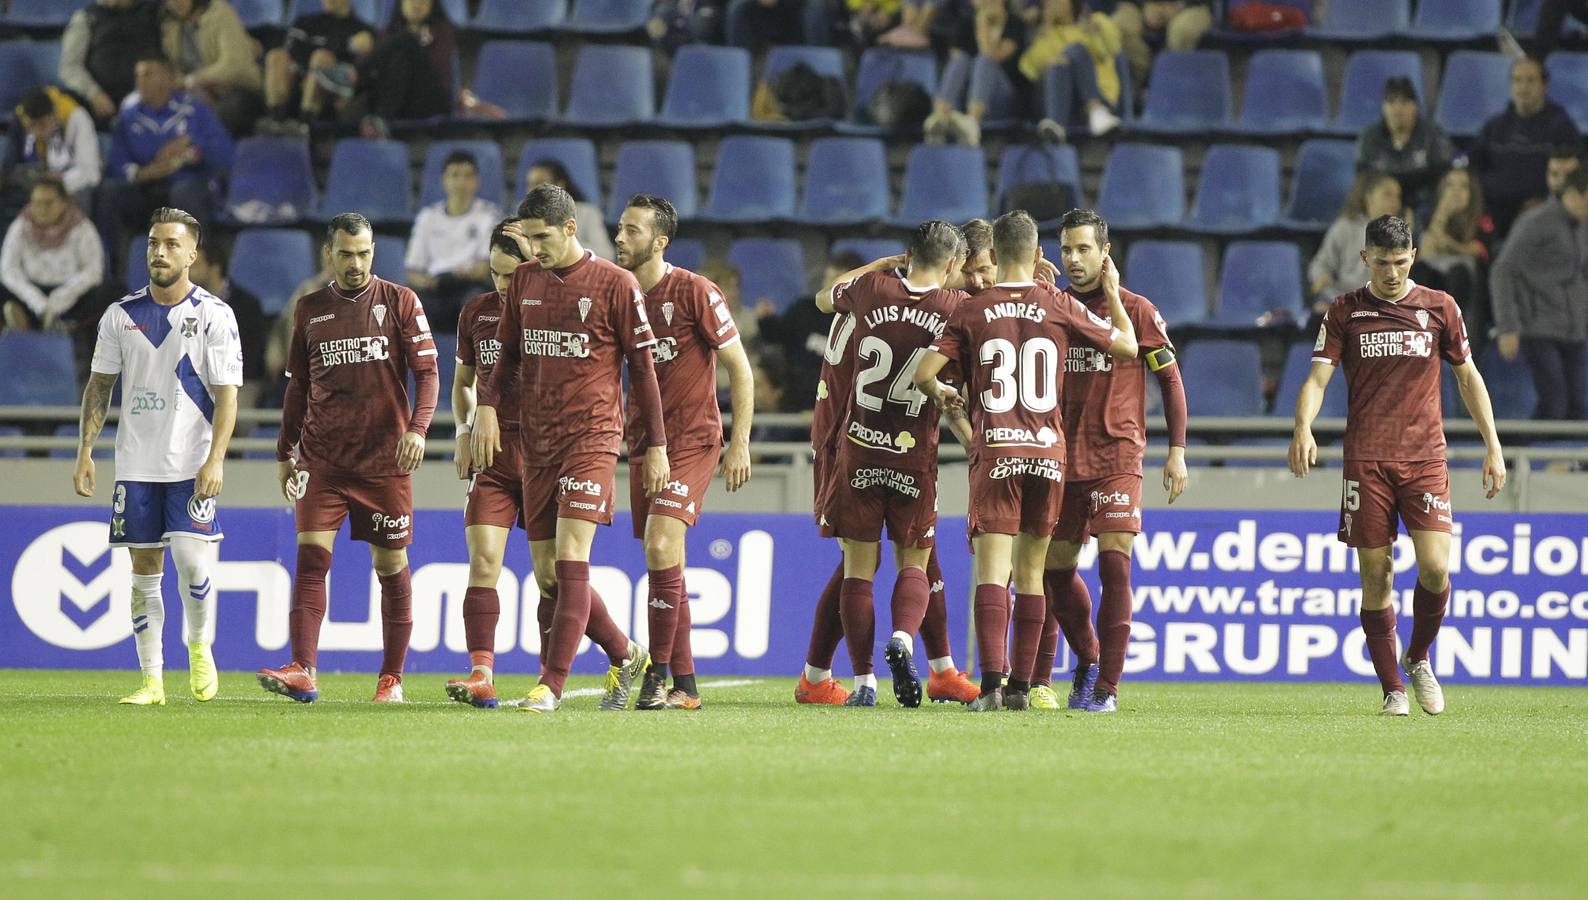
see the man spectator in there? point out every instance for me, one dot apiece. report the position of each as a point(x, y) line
point(800, 336)
point(1563, 161)
point(217, 58)
point(754, 24)
point(1540, 289)
point(315, 45)
point(1405, 143)
point(1512, 148)
point(209, 272)
point(168, 149)
point(449, 249)
point(57, 136)
point(101, 45)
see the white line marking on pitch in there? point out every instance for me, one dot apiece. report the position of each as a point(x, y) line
point(577, 692)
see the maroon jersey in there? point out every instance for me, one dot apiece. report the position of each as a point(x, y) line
point(564, 333)
point(356, 350)
point(479, 349)
point(889, 422)
point(1105, 399)
point(1391, 353)
point(1011, 341)
point(837, 379)
point(691, 322)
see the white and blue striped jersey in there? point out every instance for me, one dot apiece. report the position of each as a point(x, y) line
point(167, 357)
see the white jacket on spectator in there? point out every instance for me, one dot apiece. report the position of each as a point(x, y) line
point(69, 270)
point(442, 243)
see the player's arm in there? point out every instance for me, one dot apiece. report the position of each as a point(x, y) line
point(463, 403)
point(741, 388)
point(646, 394)
point(91, 420)
point(294, 407)
point(926, 381)
point(824, 297)
point(1475, 394)
point(211, 475)
point(1303, 448)
point(1124, 346)
point(487, 435)
point(1161, 361)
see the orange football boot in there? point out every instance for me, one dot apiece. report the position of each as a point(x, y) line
point(677, 699)
point(951, 686)
point(827, 693)
point(291, 680)
point(475, 690)
point(389, 689)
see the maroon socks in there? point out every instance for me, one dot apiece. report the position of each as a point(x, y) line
point(1428, 611)
point(396, 620)
point(911, 594)
point(827, 629)
point(568, 621)
point(308, 603)
point(661, 612)
point(860, 622)
point(1113, 618)
point(1379, 627)
point(481, 610)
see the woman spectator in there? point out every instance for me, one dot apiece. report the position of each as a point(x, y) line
point(1085, 44)
point(1338, 267)
point(1453, 250)
point(216, 58)
point(50, 259)
point(982, 76)
point(409, 75)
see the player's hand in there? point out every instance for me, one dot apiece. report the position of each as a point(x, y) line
point(487, 437)
point(1493, 473)
point(1046, 270)
point(1509, 345)
point(410, 451)
point(1175, 476)
point(463, 456)
point(291, 485)
point(657, 471)
point(949, 398)
point(1110, 276)
point(515, 230)
point(736, 465)
point(209, 480)
point(1303, 452)
point(83, 475)
point(889, 263)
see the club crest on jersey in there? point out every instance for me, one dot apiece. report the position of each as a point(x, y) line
point(667, 312)
point(1422, 318)
point(189, 327)
point(584, 307)
point(380, 315)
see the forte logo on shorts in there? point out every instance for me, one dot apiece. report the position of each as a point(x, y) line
point(676, 487)
point(1431, 503)
point(881, 440)
point(393, 526)
point(201, 510)
point(557, 344)
point(1020, 437)
point(1113, 498)
point(570, 485)
point(345, 351)
point(893, 480)
point(1015, 466)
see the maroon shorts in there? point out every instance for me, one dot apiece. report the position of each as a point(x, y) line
point(1374, 493)
point(381, 507)
point(496, 495)
point(864, 496)
point(1098, 506)
point(579, 486)
point(1015, 495)
point(692, 470)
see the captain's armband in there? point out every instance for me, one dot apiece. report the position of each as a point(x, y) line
point(1160, 358)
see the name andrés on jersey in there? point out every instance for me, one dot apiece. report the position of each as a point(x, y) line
point(910, 315)
point(1013, 310)
point(1373, 344)
point(554, 343)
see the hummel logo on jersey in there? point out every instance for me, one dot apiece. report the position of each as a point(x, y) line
point(659, 603)
point(667, 312)
point(584, 307)
point(1004, 437)
point(380, 315)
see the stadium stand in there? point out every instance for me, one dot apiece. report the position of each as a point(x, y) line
point(488, 154)
point(499, 79)
point(936, 186)
point(272, 182)
point(1363, 90)
point(612, 87)
point(753, 180)
point(1143, 186)
point(1238, 191)
point(666, 168)
point(1191, 92)
point(1324, 172)
point(40, 370)
point(772, 269)
point(709, 87)
point(270, 262)
point(846, 182)
point(372, 177)
point(1475, 86)
point(1284, 93)
point(1259, 282)
point(1170, 274)
point(1362, 20)
point(578, 156)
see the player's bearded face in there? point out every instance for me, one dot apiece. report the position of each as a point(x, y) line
point(1081, 256)
point(352, 255)
point(171, 252)
point(635, 242)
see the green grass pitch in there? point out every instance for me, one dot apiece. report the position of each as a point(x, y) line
point(1211, 790)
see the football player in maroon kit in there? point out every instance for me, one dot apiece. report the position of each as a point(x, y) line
point(569, 323)
point(1390, 337)
point(1011, 341)
point(1105, 430)
point(349, 446)
point(694, 331)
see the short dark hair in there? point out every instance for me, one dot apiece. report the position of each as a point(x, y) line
point(50, 182)
point(548, 203)
point(1559, 151)
point(1389, 233)
point(559, 176)
point(1543, 70)
point(36, 104)
point(159, 59)
point(1080, 218)
point(349, 222)
point(978, 236)
point(935, 242)
point(500, 240)
point(1400, 88)
point(1015, 234)
point(219, 254)
point(662, 209)
point(170, 215)
point(1577, 180)
point(460, 156)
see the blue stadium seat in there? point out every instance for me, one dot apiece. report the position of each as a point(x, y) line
point(1223, 378)
point(1284, 93)
point(1259, 277)
point(770, 269)
point(501, 77)
point(272, 182)
point(1456, 20)
point(612, 87)
point(390, 251)
point(487, 153)
point(1190, 92)
point(1029, 163)
point(1362, 96)
point(687, 253)
point(271, 262)
point(260, 13)
point(11, 431)
point(879, 65)
point(709, 87)
point(1238, 191)
point(1510, 384)
point(49, 13)
point(371, 177)
point(518, 17)
point(137, 262)
point(1323, 176)
point(1143, 186)
point(39, 369)
point(577, 155)
point(607, 16)
point(1171, 274)
point(1475, 86)
point(943, 181)
point(753, 181)
point(1522, 20)
point(867, 249)
point(1298, 364)
point(25, 65)
point(1362, 20)
point(846, 182)
point(446, 366)
point(1568, 84)
point(664, 168)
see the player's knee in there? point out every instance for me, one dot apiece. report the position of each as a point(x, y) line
point(147, 561)
point(389, 561)
point(1433, 573)
point(662, 550)
point(484, 570)
point(546, 582)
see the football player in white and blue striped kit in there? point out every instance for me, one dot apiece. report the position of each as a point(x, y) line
point(176, 349)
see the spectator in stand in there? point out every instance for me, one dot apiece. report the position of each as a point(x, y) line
point(57, 135)
point(323, 47)
point(409, 74)
point(168, 149)
point(218, 60)
point(1148, 26)
point(1540, 288)
point(1453, 251)
point(1563, 161)
point(50, 260)
point(253, 327)
point(755, 24)
point(101, 45)
point(1338, 266)
point(1551, 16)
point(674, 23)
point(1405, 143)
point(449, 251)
point(726, 276)
point(1086, 43)
point(592, 233)
point(1512, 148)
point(799, 337)
point(983, 73)
point(280, 335)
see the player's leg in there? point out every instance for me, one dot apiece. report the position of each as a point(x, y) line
point(946, 683)
point(1429, 601)
point(664, 562)
point(482, 609)
point(1377, 566)
point(1030, 612)
point(1113, 616)
point(857, 610)
point(994, 556)
point(912, 591)
point(1071, 605)
point(148, 624)
point(817, 684)
point(194, 560)
point(685, 693)
point(396, 619)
